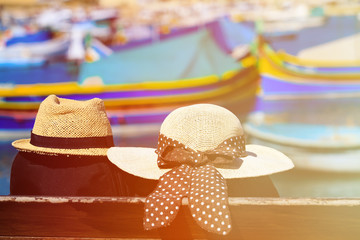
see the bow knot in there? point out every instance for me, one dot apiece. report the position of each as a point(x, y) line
point(201, 158)
point(172, 153)
point(193, 175)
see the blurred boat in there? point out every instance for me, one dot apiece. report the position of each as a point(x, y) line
point(290, 27)
point(32, 37)
point(33, 54)
point(155, 74)
point(334, 29)
point(306, 65)
point(287, 77)
point(95, 20)
point(283, 20)
point(226, 33)
point(150, 77)
point(21, 62)
point(308, 110)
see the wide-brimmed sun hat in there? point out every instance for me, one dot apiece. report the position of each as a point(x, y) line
point(71, 127)
point(199, 147)
point(201, 127)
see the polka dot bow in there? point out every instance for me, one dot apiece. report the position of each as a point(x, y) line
point(193, 175)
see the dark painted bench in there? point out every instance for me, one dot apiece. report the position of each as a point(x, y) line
point(25, 217)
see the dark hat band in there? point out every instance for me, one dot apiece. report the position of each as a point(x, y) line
point(72, 143)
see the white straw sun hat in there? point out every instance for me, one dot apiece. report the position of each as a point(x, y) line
point(65, 126)
point(201, 128)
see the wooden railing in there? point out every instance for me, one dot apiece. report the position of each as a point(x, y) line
point(29, 217)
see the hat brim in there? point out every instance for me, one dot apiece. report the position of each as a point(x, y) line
point(142, 162)
point(25, 146)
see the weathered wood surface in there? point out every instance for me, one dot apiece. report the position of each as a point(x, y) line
point(24, 217)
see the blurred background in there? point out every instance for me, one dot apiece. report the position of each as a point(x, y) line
point(290, 70)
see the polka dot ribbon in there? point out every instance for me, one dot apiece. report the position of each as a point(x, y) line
point(193, 175)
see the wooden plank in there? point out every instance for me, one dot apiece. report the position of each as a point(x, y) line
point(101, 218)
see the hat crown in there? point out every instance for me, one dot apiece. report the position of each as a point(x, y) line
point(201, 126)
point(60, 117)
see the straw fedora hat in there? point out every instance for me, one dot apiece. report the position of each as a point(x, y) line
point(65, 126)
point(201, 128)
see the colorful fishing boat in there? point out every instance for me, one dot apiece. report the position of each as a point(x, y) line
point(284, 77)
point(32, 54)
point(322, 66)
point(226, 33)
point(308, 110)
point(21, 62)
point(29, 37)
point(190, 76)
point(135, 85)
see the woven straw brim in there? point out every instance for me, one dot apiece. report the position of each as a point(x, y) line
point(142, 162)
point(25, 146)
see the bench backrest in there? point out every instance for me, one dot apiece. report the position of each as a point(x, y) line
point(24, 217)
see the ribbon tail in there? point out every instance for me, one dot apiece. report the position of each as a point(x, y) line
point(208, 200)
point(163, 204)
